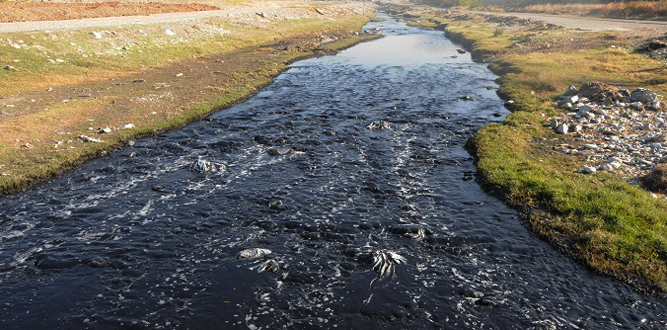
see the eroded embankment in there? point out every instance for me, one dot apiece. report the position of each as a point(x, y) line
point(604, 218)
point(76, 94)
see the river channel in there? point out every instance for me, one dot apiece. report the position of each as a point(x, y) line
point(342, 161)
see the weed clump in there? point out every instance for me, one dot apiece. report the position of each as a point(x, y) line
point(656, 180)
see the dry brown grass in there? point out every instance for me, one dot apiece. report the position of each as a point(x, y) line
point(656, 180)
point(633, 9)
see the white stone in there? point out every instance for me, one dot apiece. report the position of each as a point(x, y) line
point(588, 169)
point(562, 129)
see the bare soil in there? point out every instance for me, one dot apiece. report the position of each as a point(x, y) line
point(25, 11)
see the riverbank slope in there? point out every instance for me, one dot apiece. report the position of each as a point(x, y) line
point(69, 95)
point(603, 218)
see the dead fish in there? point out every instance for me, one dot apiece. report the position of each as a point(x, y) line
point(254, 253)
point(379, 125)
point(202, 166)
point(385, 261)
point(266, 266)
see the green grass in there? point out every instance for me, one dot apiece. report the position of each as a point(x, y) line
point(615, 227)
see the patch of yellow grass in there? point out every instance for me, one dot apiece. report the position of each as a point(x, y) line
point(632, 9)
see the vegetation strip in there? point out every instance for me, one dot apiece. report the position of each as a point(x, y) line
point(44, 130)
point(612, 225)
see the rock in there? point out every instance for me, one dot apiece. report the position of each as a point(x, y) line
point(261, 14)
point(461, 51)
point(645, 96)
point(89, 139)
point(279, 151)
point(254, 253)
point(569, 99)
point(128, 126)
point(11, 68)
point(570, 91)
point(99, 263)
point(319, 11)
point(562, 129)
point(656, 145)
point(467, 98)
point(585, 109)
point(169, 32)
point(588, 169)
point(105, 130)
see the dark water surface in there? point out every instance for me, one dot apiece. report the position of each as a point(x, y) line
point(134, 240)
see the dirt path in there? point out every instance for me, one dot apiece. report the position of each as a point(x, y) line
point(28, 11)
point(586, 23)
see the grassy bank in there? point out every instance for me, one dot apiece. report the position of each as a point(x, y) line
point(136, 81)
point(630, 9)
point(615, 227)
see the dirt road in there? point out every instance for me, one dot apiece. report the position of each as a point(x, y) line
point(586, 23)
point(243, 14)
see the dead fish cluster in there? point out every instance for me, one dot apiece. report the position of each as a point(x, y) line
point(385, 261)
point(379, 125)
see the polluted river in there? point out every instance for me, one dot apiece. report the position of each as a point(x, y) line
point(339, 197)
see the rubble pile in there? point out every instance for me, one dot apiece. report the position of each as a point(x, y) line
point(613, 129)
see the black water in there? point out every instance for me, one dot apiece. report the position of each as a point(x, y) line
point(135, 241)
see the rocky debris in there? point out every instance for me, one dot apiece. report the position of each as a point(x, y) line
point(617, 130)
point(385, 261)
point(655, 48)
point(379, 125)
point(89, 139)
